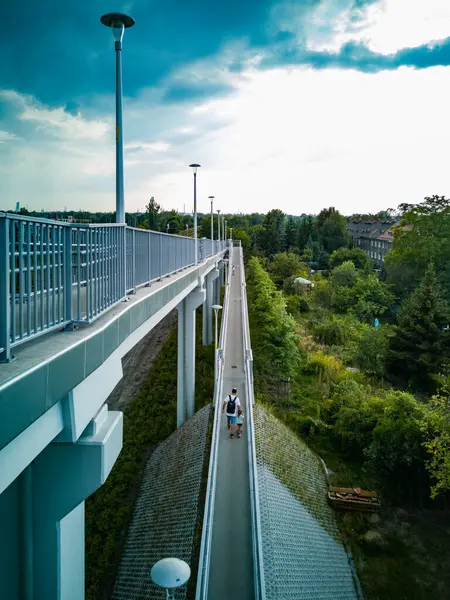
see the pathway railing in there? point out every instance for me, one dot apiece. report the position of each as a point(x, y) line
point(56, 273)
point(258, 565)
point(208, 517)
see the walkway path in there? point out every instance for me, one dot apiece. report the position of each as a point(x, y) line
point(231, 569)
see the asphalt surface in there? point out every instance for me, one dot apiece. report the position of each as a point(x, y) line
point(231, 568)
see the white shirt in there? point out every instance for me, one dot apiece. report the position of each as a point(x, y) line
point(236, 406)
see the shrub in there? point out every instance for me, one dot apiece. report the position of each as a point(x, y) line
point(372, 348)
point(333, 330)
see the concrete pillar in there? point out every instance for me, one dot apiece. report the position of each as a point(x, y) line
point(207, 310)
point(186, 354)
point(62, 477)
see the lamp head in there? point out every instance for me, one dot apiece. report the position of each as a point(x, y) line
point(216, 307)
point(195, 166)
point(170, 573)
point(118, 22)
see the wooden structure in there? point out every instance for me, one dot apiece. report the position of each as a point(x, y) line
point(353, 499)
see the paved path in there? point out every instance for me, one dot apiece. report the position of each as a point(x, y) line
point(231, 570)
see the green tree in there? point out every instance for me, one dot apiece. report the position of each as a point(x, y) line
point(241, 234)
point(373, 298)
point(333, 232)
point(371, 350)
point(274, 225)
point(422, 237)
point(357, 256)
point(153, 213)
point(174, 222)
point(291, 237)
point(436, 428)
point(286, 264)
point(421, 345)
point(344, 275)
point(307, 233)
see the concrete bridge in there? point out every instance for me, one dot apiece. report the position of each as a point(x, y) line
point(74, 301)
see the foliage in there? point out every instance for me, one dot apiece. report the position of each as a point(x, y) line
point(436, 427)
point(423, 237)
point(241, 234)
point(371, 350)
point(334, 330)
point(291, 235)
point(333, 231)
point(153, 217)
point(274, 229)
point(295, 305)
point(275, 336)
point(287, 264)
point(421, 345)
point(355, 255)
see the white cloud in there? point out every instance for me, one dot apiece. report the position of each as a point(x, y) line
point(387, 26)
point(291, 138)
point(6, 136)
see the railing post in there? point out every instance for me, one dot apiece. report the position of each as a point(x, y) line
point(68, 275)
point(5, 307)
point(134, 259)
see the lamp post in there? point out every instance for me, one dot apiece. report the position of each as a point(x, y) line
point(195, 166)
point(167, 227)
point(118, 22)
point(187, 228)
point(170, 574)
point(225, 236)
point(218, 227)
point(216, 308)
point(231, 233)
point(212, 216)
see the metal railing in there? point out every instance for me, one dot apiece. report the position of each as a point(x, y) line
point(56, 273)
point(258, 564)
point(208, 517)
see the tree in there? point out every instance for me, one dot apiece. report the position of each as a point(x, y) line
point(422, 237)
point(241, 234)
point(344, 275)
point(174, 222)
point(291, 238)
point(274, 232)
point(307, 233)
point(371, 350)
point(153, 209)
point(357, 256)
point(373, 298)
point(324, 214)
point(421, 345)
point(286, 264)
point(333, 232)
point(436, 427)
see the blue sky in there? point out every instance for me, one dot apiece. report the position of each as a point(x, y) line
point(288, 104)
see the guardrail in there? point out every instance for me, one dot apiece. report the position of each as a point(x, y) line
point(258, 564)
point(205, 548)
point(56, 273)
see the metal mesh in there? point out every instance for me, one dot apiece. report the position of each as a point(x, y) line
point(303, 557)
point(164, 519)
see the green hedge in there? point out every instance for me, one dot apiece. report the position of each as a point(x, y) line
point(148, 420)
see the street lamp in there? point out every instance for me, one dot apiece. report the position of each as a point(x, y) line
point(225, 237)
point(167, 227)
point(187, 228)
point(118, 23)
point(216, 308)
point(170, 574)
point(195, 166)
point(231, 233)
point(212, 217)
point(218, 226)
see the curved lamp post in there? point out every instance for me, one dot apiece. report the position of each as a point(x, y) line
point(218, 227)
point(170, 574)
point(195, 166)
point(118, 22)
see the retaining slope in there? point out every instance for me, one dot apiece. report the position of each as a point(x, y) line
point(303, 556)
point(165, 514)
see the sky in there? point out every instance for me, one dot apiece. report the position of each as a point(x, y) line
point(290, 104)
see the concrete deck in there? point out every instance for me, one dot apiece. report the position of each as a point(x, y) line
point(50, 366)
point(231, 569)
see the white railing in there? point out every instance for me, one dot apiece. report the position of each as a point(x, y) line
point(54, 273)
point(258, 565)
point(208, 517)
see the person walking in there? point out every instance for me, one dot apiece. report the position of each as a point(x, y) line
point(232, 404)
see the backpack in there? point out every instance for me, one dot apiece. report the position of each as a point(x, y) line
point(231, 406)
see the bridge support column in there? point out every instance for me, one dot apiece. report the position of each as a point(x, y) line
point(207, 310)
point(60, 479)
point(186, 354)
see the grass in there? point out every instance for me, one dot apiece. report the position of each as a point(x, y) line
point(148, 420)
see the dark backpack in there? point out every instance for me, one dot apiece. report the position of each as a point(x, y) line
point(231, 406)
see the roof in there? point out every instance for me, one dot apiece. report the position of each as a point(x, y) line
point(302, 280)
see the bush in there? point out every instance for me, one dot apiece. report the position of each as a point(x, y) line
point(296, 305)
point(372, 348)
point(333, 330)
point(328, 368)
